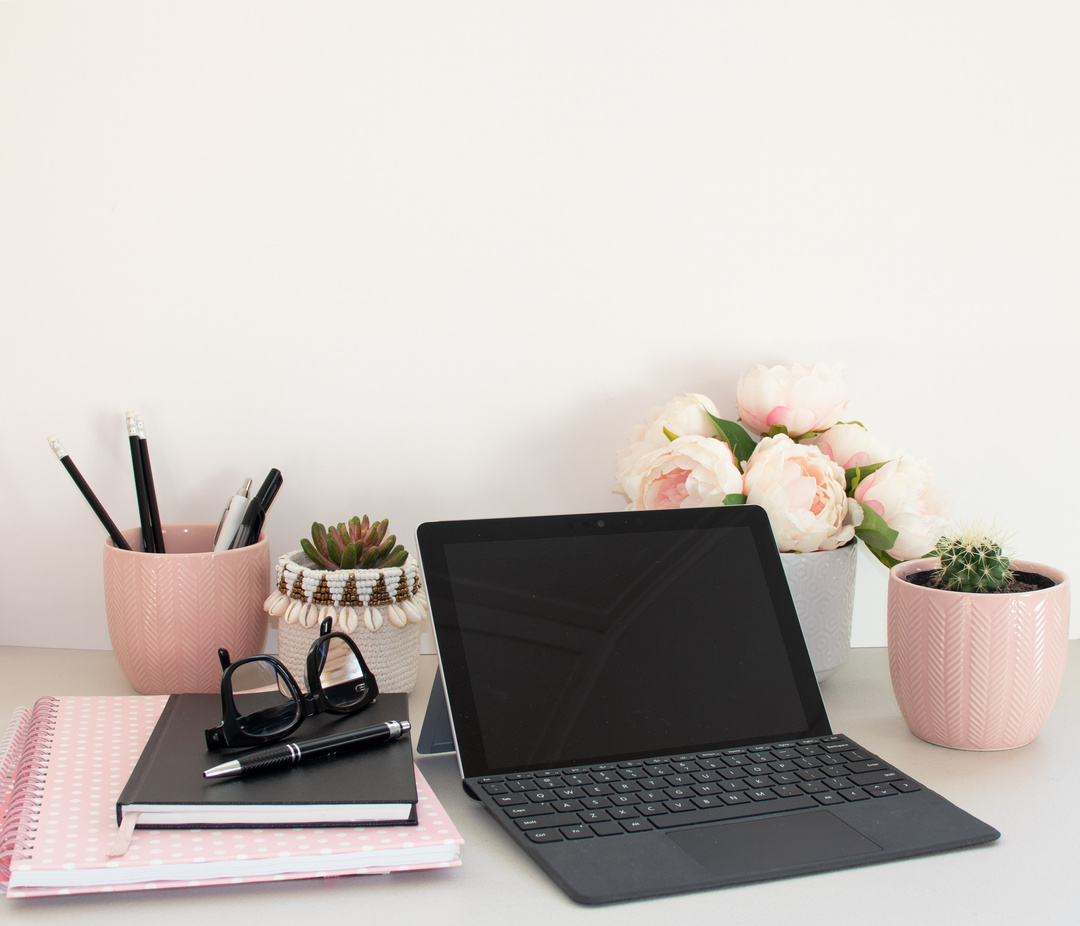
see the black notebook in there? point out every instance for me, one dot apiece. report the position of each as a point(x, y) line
point(363, 786)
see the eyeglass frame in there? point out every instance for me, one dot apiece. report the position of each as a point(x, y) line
point(228, 734)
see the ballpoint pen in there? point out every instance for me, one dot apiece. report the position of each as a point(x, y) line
point(88, 493)
point(252, 523)
point(232, 516)
point(291, 753)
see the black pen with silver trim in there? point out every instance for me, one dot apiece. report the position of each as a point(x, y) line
point(291, 753)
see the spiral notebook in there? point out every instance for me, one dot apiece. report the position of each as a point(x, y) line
point(69, 758)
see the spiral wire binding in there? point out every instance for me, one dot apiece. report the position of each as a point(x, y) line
point(26, 760)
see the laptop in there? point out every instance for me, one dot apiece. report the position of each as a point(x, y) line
point(630, 695)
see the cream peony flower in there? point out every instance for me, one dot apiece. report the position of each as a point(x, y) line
point(905, 494)
point(800, 399)
point(852, 445)
point(688, 472)
point(803, 492)
point(684, 415)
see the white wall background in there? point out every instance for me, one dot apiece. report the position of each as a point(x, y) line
point(432, 260)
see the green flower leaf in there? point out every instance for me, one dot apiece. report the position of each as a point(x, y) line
point(856, 474)
point(734, 499)
point(735, 436)
point(874, 531)
point(670, 435)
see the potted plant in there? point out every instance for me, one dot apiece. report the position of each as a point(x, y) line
point(977, 643)
point(824, 483)
point(357, 575)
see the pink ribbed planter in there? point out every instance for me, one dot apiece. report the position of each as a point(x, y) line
point(976, 671)
point(168, 613)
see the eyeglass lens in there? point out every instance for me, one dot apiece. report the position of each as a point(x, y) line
point(263, 699)
point(341, 676)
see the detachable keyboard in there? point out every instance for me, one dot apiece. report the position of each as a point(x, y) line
point(673, 791)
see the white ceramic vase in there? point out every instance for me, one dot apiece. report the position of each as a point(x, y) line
point(823, 587)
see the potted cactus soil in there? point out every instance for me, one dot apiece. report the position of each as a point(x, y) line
point(357, 575)
point(977, 643)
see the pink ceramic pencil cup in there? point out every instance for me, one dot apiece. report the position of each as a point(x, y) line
point(169, 612)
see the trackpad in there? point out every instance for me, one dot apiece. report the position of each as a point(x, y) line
point(760, 845)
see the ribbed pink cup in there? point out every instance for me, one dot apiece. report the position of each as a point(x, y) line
point(976, 671)
point(168, 613)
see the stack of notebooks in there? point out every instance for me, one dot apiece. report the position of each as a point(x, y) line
point(72, 768)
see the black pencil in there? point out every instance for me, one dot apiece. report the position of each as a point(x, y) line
point(88, 494)
point(151, 493)
point(140, 483)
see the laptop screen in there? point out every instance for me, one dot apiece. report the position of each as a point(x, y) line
point(592, 638)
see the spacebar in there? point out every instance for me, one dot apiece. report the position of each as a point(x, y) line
point(731, 812)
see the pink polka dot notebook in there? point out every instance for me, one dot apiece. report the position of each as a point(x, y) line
point(62, 767)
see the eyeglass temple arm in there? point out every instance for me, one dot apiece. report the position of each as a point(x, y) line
point(223, 658)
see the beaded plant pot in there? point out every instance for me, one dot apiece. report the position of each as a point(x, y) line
point(380, 609)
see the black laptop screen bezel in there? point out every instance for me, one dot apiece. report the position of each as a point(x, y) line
point(435, 537)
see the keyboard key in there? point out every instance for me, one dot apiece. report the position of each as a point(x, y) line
point(828, 797)
point(577, 832)
point(881, 790)
point(854, 794)
point(597, 816)
point(527, 810)
point(640, 825)
point(544, 835)
point(623, 813)
point(609, 828)
point(875, 778)
point(547, 822)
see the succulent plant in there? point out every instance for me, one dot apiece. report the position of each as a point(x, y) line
point(360, 544)
point(972, 560)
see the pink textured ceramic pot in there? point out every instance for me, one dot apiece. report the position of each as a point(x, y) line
point(168, 613)
point(976, 671)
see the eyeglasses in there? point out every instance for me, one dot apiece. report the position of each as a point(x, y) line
point(261, 701)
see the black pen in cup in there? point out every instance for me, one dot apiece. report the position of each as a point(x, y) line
point(251, 526)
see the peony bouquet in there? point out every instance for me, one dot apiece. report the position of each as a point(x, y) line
point(821, 481)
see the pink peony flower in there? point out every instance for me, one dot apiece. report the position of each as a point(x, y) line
point(688, 472)
point(803, 492)
point(684, 415)
point(851, 445)
point(904, 493)
point(797, 398)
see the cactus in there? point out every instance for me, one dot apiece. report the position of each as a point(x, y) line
point(360, 544)
point(972, 560)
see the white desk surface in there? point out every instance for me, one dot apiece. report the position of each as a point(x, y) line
point(1025, 877)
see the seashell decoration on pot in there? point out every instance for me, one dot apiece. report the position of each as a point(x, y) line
point(380, 609)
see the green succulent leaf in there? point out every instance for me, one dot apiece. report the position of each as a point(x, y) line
point(355, 532)
point(318, 537)
point(348, 556)
point(333, 550)
point(378, 532)
point(315, 556)
point(397, 557)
